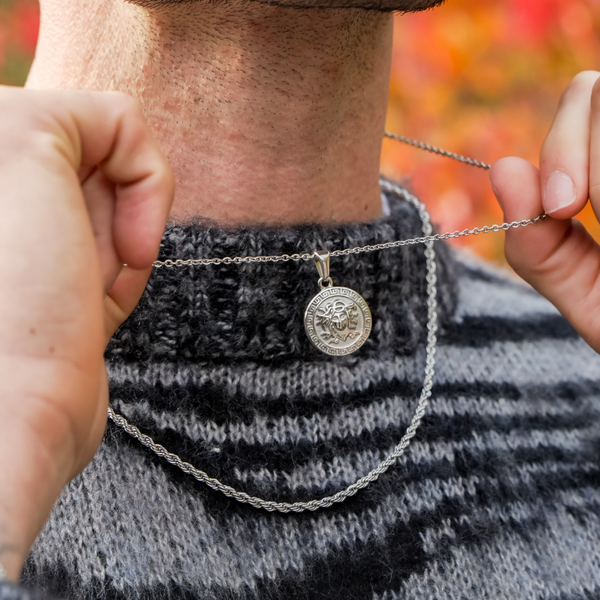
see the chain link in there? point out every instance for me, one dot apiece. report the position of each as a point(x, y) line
point(435, 150)
point(383, 466)
point(194, 262)
point(190, 262)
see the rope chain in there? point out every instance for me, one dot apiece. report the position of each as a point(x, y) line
point(384, 465)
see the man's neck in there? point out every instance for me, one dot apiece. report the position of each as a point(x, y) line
point(267, 114)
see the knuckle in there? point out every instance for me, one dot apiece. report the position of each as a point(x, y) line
point(594, 193)
point(595, 100)
point(116, 103)
point(12, 102)
point(124, 101)
point(525, 262)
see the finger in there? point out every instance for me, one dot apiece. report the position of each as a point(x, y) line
point(565, 155)
point(100, 198)
point(123, 298)
point(104, 129)
point(132, 160)
point(594, 183)
point(557, 257)
point(84, 172)
point(516, 184)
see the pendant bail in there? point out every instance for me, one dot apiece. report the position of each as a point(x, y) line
point(322, 263)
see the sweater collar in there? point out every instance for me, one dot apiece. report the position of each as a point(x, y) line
point(208, 314)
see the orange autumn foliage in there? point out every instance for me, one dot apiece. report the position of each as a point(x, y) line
point(482, 79)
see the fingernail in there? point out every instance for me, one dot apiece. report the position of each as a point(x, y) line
point(559, 192)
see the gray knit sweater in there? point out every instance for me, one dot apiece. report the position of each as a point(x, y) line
point(497, 497)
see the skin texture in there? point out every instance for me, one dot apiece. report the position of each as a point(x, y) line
point(86, 189)
point(267, 114)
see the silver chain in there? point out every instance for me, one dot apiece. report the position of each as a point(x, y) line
point(386, 185)
point(435, 150)
point(384, 465)
point(275, 258)
point(428, 239)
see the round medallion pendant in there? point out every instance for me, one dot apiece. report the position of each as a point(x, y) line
point(338, 321)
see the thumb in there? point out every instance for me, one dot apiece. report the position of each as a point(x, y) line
point(557, 257)
point(516, 184)
point(123, 298)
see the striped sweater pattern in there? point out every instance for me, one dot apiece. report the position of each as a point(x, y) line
point(498, 495)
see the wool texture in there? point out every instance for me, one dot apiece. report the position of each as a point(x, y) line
point(498, 495)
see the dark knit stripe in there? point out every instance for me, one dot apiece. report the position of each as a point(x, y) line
point(527, 531)
point(475, 455)
point(287, 455)
point(471, 331)
point(479, 332)
point(212, 403)
point(591, 594)
point(512, 463)
point(346, 423)
point(401, 555)
point(475, 271)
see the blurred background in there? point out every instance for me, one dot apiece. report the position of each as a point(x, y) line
point(478, 77)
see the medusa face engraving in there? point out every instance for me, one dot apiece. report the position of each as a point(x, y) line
point(338, 321)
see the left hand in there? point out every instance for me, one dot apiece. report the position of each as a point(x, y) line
point(558, 257)
point(84, 188)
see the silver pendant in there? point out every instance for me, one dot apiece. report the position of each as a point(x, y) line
point(337, 320)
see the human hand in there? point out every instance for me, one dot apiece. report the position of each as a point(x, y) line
point(84, 189)
point(558, 257)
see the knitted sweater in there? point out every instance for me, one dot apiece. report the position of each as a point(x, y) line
point(498, 495)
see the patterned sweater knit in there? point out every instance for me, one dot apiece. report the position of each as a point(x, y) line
point(498, 495)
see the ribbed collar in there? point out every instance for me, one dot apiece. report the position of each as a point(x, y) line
point(255, 311)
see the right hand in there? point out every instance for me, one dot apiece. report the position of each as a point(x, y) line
point(84, 189)
point(559, 257)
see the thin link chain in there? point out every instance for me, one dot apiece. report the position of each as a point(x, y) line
point(435, 150)
point(428, 239)
point(386, 185)
point(238, 260)
point(384, 465)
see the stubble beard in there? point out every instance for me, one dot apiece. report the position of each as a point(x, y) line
point(402, 6)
